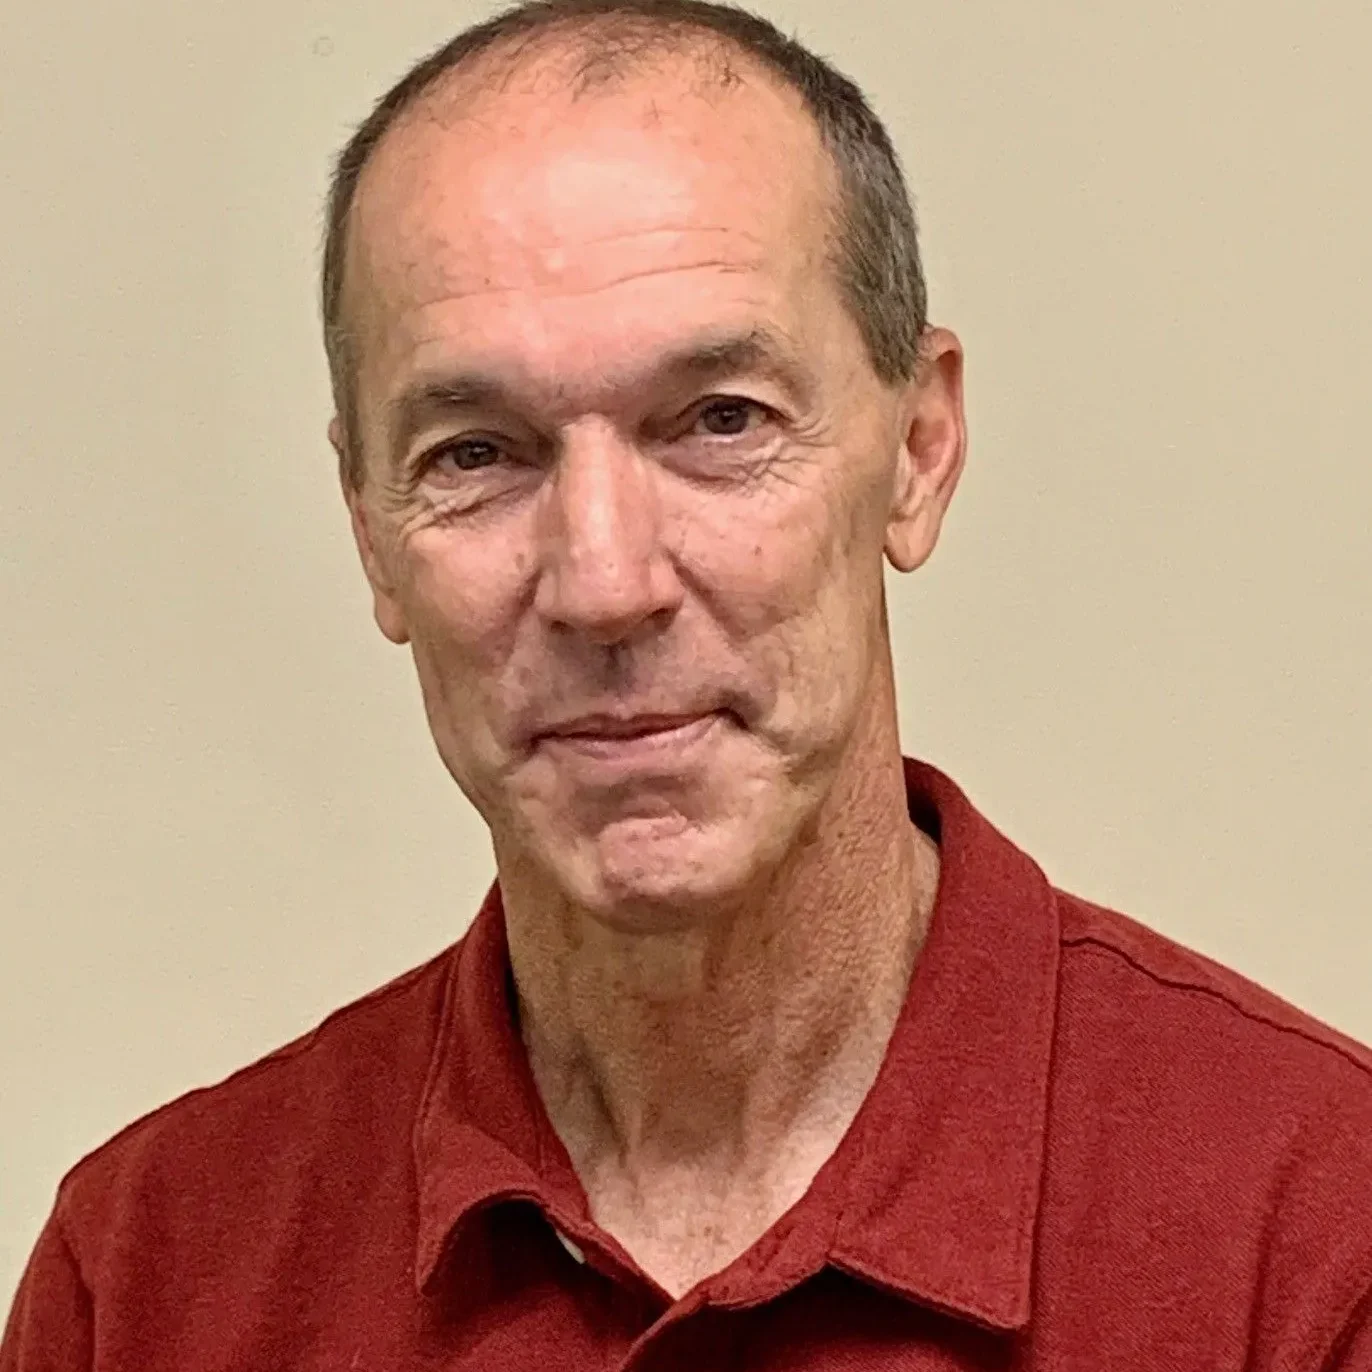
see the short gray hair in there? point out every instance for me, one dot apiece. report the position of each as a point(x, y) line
point(876, 246)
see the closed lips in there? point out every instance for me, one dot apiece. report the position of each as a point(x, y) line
point(604, 727)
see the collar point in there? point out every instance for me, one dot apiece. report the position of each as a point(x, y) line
point(1002, 1305)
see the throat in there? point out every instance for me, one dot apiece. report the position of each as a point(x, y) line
point(682, 1231)
point(696, 1120)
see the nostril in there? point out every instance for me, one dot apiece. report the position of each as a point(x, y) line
point(608, 599)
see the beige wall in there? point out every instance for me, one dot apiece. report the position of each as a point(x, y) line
point(1143, 646)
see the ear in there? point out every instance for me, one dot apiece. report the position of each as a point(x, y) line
point(385, 606)
point(932, 451)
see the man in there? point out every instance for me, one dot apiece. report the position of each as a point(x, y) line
point(766, 1050)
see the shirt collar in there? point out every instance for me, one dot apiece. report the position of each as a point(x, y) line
point(942, 1195)
point(935, 1187)
point(481, 1133)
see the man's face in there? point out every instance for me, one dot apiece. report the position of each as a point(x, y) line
point(629, 475)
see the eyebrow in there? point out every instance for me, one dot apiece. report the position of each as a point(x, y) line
point(709, 357)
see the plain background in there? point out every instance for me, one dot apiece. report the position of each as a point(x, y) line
point(1142, 646)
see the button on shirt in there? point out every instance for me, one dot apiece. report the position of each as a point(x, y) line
point(1086, 1147)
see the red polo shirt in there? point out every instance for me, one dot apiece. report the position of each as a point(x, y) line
point(1087, 1148)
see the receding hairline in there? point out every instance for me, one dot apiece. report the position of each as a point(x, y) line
point(603, 49)
point(548, 55)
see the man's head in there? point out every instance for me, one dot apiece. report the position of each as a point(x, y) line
point(633, 396)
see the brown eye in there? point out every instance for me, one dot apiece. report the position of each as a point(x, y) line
point(466, 455)
point(727, 417)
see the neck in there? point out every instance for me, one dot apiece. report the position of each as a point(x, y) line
point(730, 1057)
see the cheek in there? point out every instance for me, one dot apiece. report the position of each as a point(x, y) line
point(461, 598)
point(795, 582)
point(463, 581)
point(809, 546)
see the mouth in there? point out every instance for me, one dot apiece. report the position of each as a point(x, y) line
point(637, 737)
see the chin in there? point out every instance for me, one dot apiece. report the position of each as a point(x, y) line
point(648, 875)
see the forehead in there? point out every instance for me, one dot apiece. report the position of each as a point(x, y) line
point(521, 188)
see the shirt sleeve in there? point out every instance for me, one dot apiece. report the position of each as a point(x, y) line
point(50, 1325)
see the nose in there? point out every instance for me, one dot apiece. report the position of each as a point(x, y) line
point(605, 571)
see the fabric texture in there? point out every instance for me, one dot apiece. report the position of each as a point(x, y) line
point(1087, 1147)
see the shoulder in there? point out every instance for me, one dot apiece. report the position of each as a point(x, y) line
point(1169, 1001)
point(1193, 1106)
point(320, 1094)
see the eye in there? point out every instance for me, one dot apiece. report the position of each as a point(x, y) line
point(729, 416)
point(463, 455)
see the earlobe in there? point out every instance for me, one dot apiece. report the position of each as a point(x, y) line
point(907, 539)
point(931, 454)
